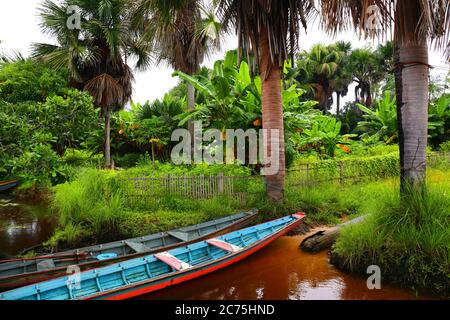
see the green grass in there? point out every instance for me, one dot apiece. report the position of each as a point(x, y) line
point(96, 207)
point(409, 239)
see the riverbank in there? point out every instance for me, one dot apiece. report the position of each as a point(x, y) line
point(408, 240)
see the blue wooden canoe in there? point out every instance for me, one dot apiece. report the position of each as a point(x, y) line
point(6, 185)
point(158, 271)
point(25, 271)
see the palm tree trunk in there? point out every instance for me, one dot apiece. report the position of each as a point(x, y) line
point(191, 106)
point(412, 109)
point(338, 103)
point(272, 114)
point(108, 138)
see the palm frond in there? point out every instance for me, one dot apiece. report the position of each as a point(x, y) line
point(105, 90)
point(280, 19)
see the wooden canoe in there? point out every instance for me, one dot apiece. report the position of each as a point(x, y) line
point(6, 185)
point(150, 273)
point(21, 272)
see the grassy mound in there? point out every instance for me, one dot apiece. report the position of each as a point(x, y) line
point(409, 239)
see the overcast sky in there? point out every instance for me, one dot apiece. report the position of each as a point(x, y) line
point(19, 27)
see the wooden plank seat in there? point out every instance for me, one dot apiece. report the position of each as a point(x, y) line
point(224, 245)
point(172, 261)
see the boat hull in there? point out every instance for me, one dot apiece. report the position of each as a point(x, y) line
point(8, 283)
point(6, 185)
point(158, 284)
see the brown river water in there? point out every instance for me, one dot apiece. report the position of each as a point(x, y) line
point(23, 226)
point(279, 272)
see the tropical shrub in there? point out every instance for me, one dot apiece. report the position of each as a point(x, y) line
point(439, 120)
point(324, 136)
point(380, 123)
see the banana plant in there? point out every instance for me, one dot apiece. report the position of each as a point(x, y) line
point(325, 136)
point(231, 98)
point(382, 121)
point(439, 117)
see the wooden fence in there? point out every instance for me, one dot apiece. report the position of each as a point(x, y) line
point(240, 187)
point(194, 187)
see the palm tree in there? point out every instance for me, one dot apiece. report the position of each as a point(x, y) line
point(12, 57)
point(322, 62)
point(343, 77)
point(269, 31)
point(96, 54)
point(416, 23)
point(184, 32)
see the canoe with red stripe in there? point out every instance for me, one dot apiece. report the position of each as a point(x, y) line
point(21, 272)
point(147, 274)
point(9, 184)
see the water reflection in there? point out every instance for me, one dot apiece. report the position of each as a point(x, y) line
point(23, 226)
point(280, 272)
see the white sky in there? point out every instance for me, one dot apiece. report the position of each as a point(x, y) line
point(19, 28)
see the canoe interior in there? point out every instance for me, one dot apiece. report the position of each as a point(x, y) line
point(141, 245)
point(147, 269)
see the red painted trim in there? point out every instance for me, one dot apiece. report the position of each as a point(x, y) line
point(151, 288)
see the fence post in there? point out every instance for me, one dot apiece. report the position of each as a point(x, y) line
point(341, 172)
point(220, 183)
point(307, 174)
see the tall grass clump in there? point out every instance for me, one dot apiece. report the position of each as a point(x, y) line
point(408, 237)
point(92, 203)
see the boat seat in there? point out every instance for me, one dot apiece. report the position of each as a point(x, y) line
point(224, 245)
point(183, 236)
point(45, 265)
point(172, 261)
point(137, 246)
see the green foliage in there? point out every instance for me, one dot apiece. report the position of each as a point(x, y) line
point(30, 80)
point(33, 134)
point(439, 120)
point(408, 238)
point(324, 136)
point(82, 158)
point(381, 122)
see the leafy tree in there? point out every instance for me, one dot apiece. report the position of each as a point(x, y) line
point(32, 133)
point(29, 80)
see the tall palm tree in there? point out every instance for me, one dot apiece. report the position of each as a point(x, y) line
point(184, 32)
point(416, 23)
point(269, 30)
point(96, 54)
point(323, 63)
point(343, 77)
